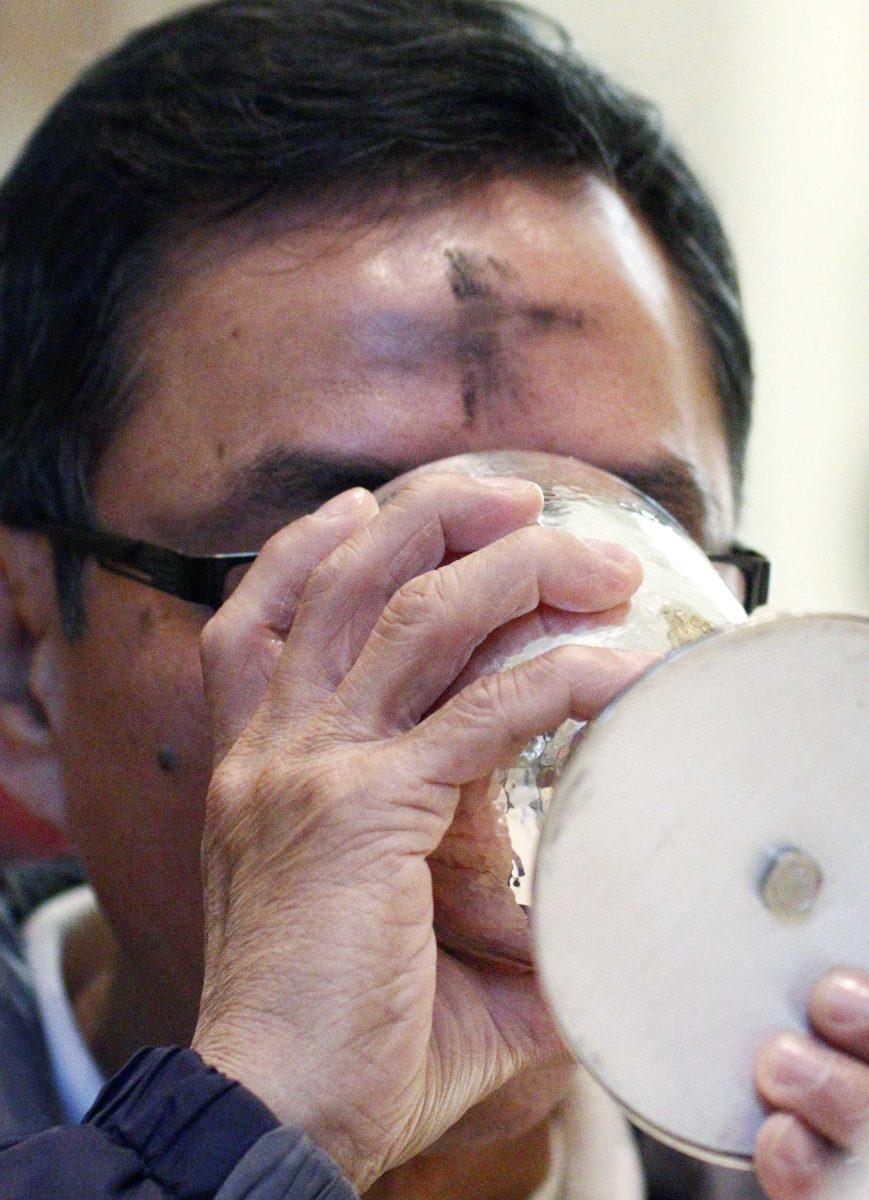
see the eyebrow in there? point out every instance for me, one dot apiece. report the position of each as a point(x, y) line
point(676, 486)
point(287, 484)
point(277, 483)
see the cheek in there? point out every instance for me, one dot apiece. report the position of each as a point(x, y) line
point(136, 765)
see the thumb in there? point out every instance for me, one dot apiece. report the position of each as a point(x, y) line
point(243, 641)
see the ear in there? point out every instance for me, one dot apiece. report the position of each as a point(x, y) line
point(30, 773)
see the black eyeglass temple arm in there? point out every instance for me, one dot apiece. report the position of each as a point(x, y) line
point(756, 570)
point(199, 579)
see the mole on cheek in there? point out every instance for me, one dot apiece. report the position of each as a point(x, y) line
point(146, 620)
point(168, 760)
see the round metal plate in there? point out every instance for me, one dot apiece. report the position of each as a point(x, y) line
point(705, 859)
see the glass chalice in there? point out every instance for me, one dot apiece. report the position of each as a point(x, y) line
point(483, 870)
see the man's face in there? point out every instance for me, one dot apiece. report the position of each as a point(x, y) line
point(280, 368)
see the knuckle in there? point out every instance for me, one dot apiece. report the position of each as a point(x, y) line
point(285, 542)
point(417, 496)
point(425, 486)
point(247, 798)
point(556, 673)
point(421, 601)
point(334, 570)
point(418, 488)
point(427, 498)
point(215, 638)
point(559, 660)
point(584, 676)
point(230, 782)
point(542, 539)
point(487, 695)
point(282, 548)
point(560, 663)
point(569, 661)
point(281, 544)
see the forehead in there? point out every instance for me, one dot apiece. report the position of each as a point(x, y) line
point(523, 313)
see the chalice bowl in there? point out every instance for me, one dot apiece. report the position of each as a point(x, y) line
point(693, 859)
point(483, 871)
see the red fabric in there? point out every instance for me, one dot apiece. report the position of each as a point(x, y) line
point(24, 836)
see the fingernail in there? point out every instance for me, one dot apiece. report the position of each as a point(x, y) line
point(795, 1064)
point(845, 1001)
point(795, 1154)
point(343, 505)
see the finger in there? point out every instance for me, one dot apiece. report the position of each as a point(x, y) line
point(516, 636)
point(438, 619)
point(827, 1090)
point(789, 1159)
point(242, 643)
point(488, 722)
point(839, 1010)
point(434, 515)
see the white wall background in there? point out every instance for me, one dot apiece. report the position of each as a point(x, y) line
point(770, 100)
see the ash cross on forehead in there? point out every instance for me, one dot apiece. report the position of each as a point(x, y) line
point(474, 282)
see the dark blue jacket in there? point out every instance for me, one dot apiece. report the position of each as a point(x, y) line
point(166, 1126)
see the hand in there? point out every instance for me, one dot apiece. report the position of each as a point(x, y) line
point(820, 1089)
point(325, 992)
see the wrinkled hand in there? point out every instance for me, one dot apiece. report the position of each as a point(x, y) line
point(820, 1089)
point(337, 773)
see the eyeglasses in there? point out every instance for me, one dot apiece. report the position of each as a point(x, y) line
point(209, 579)
point(747, 574)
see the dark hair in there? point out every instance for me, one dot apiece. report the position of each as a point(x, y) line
point(247, 104)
